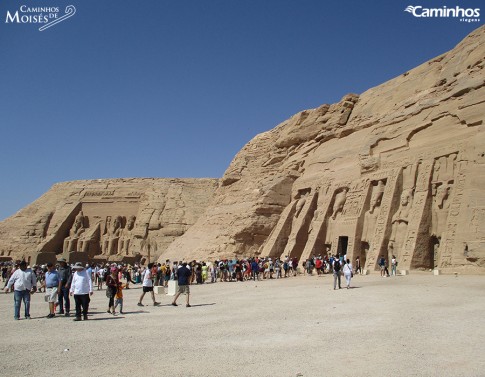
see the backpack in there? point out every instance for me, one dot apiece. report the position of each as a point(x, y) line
point(336, 265)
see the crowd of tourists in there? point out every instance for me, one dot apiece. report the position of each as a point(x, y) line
point(61, 281)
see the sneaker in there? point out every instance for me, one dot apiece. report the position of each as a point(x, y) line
point(188, 305)
point(174, 304)
point(140, 304)
point(50, 315)
point(67, 314)
point(85, 318)
point(156, 303)
point(61, 312)
point(77, 319)
point(16, 318)
point(27, 317)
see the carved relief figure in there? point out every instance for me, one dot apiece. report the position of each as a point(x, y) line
point(370, 217)
point(441, 193)
point(316, 217)
point(125, 236)
point(294, 231)
point(109, 243)
point(300, 204)
point(340, 199)
point(400, 222)
point(89, 237)
point(338, 206)
point(70, 242)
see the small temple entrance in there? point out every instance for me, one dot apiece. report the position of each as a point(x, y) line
point(343, 242)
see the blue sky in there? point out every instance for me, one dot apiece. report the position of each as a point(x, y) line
point(159, 88)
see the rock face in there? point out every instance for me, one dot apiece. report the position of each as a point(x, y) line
point(113, 219)
point(398, 170)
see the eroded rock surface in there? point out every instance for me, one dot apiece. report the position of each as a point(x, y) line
point(398, 170)
point(112, 219)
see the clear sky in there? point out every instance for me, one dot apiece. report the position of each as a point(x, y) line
point(175, 88)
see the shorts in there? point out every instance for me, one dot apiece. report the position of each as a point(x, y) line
point(381, 267)
point(147, 289)
point(184, 289)
point(51, 294)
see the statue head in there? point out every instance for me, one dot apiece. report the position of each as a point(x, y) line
point(405, 197)
point(130, 223)
point(117, 222)
point(78, 221)
point(441, 194)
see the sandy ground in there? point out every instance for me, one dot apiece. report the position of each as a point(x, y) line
point(416, 325)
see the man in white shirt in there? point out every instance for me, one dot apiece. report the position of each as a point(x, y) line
point(81, 288)
point(148, 285)
point(24, 283)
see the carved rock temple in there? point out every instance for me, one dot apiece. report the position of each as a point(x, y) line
point(397, 170)
point(122, 220)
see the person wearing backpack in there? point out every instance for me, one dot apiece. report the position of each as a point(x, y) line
point(336, 273)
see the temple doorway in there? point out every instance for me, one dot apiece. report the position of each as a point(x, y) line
point(343, 242)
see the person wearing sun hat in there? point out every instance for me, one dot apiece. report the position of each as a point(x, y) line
point(81, 288)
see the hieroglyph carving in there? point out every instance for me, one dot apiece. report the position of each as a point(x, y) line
point(448, 238)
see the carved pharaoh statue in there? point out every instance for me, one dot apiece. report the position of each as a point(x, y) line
point(441, 205)
point(294, 225)
point(70, 242)
point(370, 217)
point(338, 206)
point(339, 203)
point(125, 236)
point(109, 242)
point(400, 222)
point(89, 237)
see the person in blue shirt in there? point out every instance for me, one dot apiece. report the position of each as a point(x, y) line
point(183, 275)
point(52, 285)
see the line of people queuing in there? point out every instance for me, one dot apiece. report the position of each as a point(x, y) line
point(61, 281)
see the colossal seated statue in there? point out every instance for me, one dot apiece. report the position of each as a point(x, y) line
point(88, 238)
point(71, 242)
point(126, 234)
point(109, 242)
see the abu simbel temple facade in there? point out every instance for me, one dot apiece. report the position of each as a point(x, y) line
point(397, 170)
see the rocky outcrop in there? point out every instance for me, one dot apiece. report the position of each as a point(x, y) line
point(112, 219)
point(397, 170)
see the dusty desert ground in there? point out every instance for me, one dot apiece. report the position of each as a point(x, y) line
point(416, 325)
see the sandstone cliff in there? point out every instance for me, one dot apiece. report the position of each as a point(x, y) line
point(396, 170)
point(115, 219)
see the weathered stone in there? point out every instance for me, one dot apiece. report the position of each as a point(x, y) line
point(398, 170)
point(103, 220)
